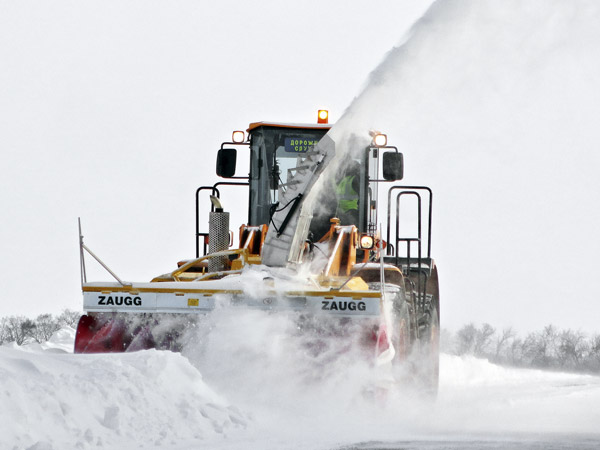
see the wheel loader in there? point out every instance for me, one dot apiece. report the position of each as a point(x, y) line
point(319, 243)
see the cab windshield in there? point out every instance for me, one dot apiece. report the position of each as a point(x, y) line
point(277, 153)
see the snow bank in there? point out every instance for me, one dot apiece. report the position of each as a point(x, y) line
point(149, 398)
point(62, 340)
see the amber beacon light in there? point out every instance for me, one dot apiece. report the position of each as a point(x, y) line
point(323, 116)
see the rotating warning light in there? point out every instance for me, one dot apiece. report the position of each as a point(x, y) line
point(323, 116)
point(238, 137)
point(366, 242)
point(380, 140)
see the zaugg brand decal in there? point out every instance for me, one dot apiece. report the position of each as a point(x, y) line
point(118, 300)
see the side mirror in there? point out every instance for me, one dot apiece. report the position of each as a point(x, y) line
point(393, 166)
point(226, 159)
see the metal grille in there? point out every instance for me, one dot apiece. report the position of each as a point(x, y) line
point(218, 239)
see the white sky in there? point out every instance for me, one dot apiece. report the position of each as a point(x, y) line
point(113, 111)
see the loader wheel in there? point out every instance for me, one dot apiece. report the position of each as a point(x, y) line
point(402, 341)
point(430, 346)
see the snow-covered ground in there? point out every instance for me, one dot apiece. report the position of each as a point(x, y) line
point(54, 399)
point(219, 397)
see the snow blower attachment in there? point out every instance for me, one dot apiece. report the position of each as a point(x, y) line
point(314, 250)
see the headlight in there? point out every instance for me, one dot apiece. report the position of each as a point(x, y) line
point(380, 140)
point(366, 242)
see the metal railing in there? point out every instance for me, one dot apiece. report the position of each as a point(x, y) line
point(410, 263)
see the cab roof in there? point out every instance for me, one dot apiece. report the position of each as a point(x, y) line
point(307, 126)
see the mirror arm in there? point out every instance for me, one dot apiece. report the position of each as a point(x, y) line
point(235, 143)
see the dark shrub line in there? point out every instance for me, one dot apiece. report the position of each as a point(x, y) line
point(22, 330)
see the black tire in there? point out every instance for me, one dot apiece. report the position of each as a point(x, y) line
point(402, 333)
point(403, 342)
point(430, 354)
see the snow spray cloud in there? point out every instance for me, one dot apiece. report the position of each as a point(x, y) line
point(305, 383)
point(301, 379)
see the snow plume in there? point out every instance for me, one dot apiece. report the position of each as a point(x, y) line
point(494, 105)
point(479, 59)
